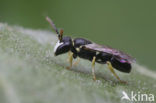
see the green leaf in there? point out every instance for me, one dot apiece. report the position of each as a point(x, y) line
point(29, 73)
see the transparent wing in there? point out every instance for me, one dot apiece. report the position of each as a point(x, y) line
point(121, 56)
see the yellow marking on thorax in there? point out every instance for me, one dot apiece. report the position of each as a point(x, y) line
point(78, 49)
point(72, 42)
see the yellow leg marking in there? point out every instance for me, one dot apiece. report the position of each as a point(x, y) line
point(93, 68)
point(70, 60)
point(76, 62)
point(69, 53)
point(112, 70)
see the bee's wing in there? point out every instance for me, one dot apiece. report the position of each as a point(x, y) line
point(121, 56)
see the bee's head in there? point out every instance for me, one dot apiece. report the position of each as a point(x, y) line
point(64, 43)
point(62, 46)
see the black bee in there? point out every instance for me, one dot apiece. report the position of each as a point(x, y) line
point(93, 52)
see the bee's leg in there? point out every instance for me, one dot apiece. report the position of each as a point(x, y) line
point(112, 70)
point(70, 59)
point(69, 53)
point(76, 62)
point(93, 68)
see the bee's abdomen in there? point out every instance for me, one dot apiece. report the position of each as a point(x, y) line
point(123, 67)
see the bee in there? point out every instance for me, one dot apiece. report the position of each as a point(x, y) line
point(86, 49)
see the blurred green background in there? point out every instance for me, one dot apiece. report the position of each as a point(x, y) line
point(129, 25)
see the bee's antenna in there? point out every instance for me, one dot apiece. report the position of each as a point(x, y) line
point(52, 24)
point(61, 34)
